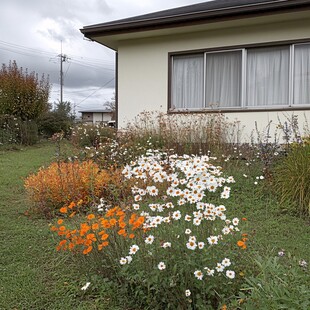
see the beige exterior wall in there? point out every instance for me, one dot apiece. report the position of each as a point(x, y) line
point(143, 63)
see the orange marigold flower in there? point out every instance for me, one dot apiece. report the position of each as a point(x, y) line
point(240, 243)
point(113, 222)
point(104, 236)
point(111, 212)
point(60, 221)
point(122, 232)
point(244, 219)
point(53, 228)
point(62, 242)
point(62, 228)
point(87, 250)
point(91, 237)
point(95, 226)
point(63, 210)
point(90, 216)
point(131, 236)
point(120, 213)
point(122, 224)
point(72, 205)
point(105, 243)
point(132, 218)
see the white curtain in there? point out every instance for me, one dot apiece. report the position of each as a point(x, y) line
point(223, 79)
point(302, 74)
point(267, 76)
point(187, 82)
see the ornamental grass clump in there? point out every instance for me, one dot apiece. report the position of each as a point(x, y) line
point(292, 179)
point(64, 182)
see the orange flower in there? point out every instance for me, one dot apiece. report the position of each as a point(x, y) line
point(72, 205)
point(87, 250)
point(91, 237)
point(131, 236)
point(244, 219)
point(95, 226)
point(110, 212)
point(104, 236)
point(241, 244)
point(122, 232)
point(122, 224)
point(60, 221)
point(63, 210)
point(113, 222)
point(90, 216)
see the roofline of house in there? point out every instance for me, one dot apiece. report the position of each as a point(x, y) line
point(152, 22)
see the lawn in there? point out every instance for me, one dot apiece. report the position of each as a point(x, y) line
point(35, 276)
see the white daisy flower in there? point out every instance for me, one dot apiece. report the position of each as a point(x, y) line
point(161, 266)
point(198, 274)
point(226, 262)
point(176, 215)
point(133, 249)
point(230, 274)
point(149, 239)
point(191, 245)
point(213, 240)
point(123, 261)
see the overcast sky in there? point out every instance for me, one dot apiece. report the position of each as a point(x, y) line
point(32, 32)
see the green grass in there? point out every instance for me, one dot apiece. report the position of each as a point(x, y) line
point(35, 276)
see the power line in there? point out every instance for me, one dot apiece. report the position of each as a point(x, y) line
point(95, 91)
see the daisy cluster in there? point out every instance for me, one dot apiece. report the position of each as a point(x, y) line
point(171, 189)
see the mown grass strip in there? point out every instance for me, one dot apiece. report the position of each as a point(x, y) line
point(33, 275)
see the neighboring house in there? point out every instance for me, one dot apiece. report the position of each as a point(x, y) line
point(102, 117)
point(249, 59)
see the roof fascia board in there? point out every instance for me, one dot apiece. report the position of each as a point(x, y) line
point(233, 12)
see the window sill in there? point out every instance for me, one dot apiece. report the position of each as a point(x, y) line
point(240, 110)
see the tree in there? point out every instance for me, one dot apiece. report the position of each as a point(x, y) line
point(111, 104)
point(23, 94)
point(59, 119)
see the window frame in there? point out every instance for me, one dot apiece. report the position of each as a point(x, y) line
point(244, 48)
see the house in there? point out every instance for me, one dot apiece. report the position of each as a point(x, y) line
point(97, 116)
point(248, 59)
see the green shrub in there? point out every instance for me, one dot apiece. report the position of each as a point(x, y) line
point(91, 135)
point(292, 178)
point(13, 130)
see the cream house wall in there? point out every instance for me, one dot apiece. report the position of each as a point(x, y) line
point(143, 65)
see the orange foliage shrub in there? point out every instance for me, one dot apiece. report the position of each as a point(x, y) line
point(62, 183)
point(96, 232)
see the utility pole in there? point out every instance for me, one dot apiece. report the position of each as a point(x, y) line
point(63, 58)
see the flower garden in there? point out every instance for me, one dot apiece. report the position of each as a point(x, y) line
point(155, 222)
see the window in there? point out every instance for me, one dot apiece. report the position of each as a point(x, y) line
point(259, 77)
